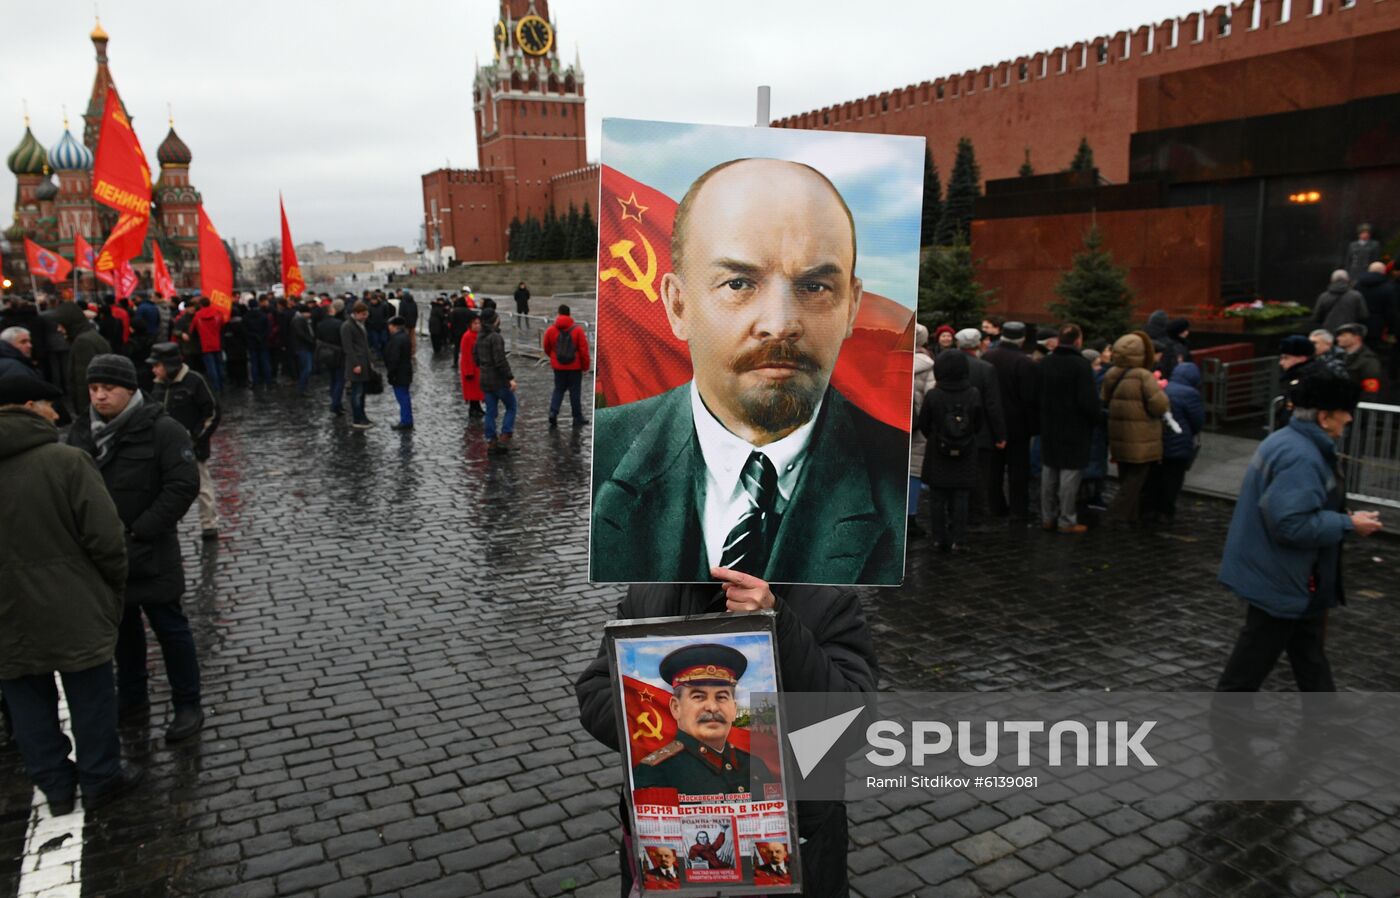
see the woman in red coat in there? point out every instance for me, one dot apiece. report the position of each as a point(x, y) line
point(471, 374)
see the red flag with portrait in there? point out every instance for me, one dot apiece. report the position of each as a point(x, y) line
point(634, 251)
point(650, 724)
point(161, 281)
point(215, 272)
point(121, 180)
point(292, 282)
point(126, 280)
point(45, 262)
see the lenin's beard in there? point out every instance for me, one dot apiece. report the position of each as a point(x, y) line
point(783, 404)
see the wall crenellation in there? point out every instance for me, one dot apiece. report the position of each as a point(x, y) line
point(1194, 35)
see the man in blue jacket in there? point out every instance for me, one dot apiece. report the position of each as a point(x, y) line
point(1283, 554)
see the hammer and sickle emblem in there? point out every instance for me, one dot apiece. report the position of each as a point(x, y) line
point(649, 726)
point(643, 280)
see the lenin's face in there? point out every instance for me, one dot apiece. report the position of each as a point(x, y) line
point(706, 713)
point(663, 858)
point(773, 852)
point(765, 294)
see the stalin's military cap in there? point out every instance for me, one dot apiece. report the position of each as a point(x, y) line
point(706, 664)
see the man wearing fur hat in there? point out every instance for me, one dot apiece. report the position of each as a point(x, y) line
point(1283, 553)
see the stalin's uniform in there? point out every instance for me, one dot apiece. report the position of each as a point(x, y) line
point(693, 768)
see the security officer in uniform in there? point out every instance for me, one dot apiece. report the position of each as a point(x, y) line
point(701, 761)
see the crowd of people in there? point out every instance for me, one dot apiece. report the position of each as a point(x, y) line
point(997, 404)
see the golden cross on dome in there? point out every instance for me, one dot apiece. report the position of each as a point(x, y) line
point(631, 208)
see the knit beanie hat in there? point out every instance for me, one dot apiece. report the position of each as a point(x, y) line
point(110, 368)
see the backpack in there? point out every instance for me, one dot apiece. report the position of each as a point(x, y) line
point(955, 437)
point(565, 352)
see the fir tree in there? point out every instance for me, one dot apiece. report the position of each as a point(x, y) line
point(555, 240)
point(1094, 292)
point(933, 201)
point(963, 188)
point(514, 236)
point(571, 222)
point(1027, 170)
point(587, 247)
point(948, 288)
point(1083, 157)
point(532, 239)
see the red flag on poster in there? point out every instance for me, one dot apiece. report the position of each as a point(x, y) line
point(121, 180)
point(215, 272)
point(292, 282)
point(161, 281)
point(45, 262)
point(634, 236)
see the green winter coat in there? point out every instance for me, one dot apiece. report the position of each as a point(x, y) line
point(62, 553)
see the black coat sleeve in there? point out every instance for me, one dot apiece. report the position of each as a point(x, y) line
point(829, 648)
point(179, 481)
point(596, 708)
point(209, 412)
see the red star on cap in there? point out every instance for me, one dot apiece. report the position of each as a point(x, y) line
point(631, 208)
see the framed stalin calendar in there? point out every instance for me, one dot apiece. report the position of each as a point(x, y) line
point(702, 736)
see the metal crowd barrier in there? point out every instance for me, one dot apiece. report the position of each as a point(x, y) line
point(1238, 391)
point(1371, 449)
point(524, 334)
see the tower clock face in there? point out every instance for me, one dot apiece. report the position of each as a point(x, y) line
point(500, 36)
point(535, 35)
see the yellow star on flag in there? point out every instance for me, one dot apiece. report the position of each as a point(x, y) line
point(631, 208)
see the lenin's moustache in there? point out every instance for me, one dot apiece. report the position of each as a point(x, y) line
point(781, 405)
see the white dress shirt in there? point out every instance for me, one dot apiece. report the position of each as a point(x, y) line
point(725, 500)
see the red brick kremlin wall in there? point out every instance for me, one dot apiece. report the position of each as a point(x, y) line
point(1048, 100)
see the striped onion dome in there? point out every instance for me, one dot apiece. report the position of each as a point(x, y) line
point(28, 158)
point(70, 154)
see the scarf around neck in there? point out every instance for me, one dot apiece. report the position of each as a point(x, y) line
point(104, 431)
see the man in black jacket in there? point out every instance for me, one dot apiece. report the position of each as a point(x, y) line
point(1069, 411)
point(823, 645)
point(408, 311)
point(301, 339)
point(330, 355)
point(148, 464)
point(186, 397)
point(983, 376)
point(398, 364)
point(359, 367)
point(497, 380)
point(1017, 379)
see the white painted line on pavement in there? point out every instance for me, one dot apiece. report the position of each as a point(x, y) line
point(52, 864)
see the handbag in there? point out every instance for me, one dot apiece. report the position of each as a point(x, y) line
point(375, 385)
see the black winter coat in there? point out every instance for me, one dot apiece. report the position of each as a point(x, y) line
point(824, 645)
point(151, 475)
point(408, 311)
point(190, 401)
point(942, 471)
point(491, 357)
point(379, 315)
point(302, 334)
point(255, 325)
point(1382, 302)
point(1016, 379)
point(398, 360)
point(1069, 409)
point(983, 377)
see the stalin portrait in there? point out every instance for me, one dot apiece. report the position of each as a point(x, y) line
point(757, 464)
point(701, 760)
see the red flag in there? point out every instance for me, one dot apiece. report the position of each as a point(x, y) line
point(215, 272)
point(875, 367)
point(161, 281)
point(45, 262)
point(85, 258)
point(292, 282)
point(122, 181)
point(126, 280)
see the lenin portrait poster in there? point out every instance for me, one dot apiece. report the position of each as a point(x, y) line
point(701, 730)
point(756, 299)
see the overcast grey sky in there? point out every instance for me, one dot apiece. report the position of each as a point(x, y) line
point(343, 105)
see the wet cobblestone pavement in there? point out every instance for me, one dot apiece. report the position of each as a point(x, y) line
point(390, 626)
